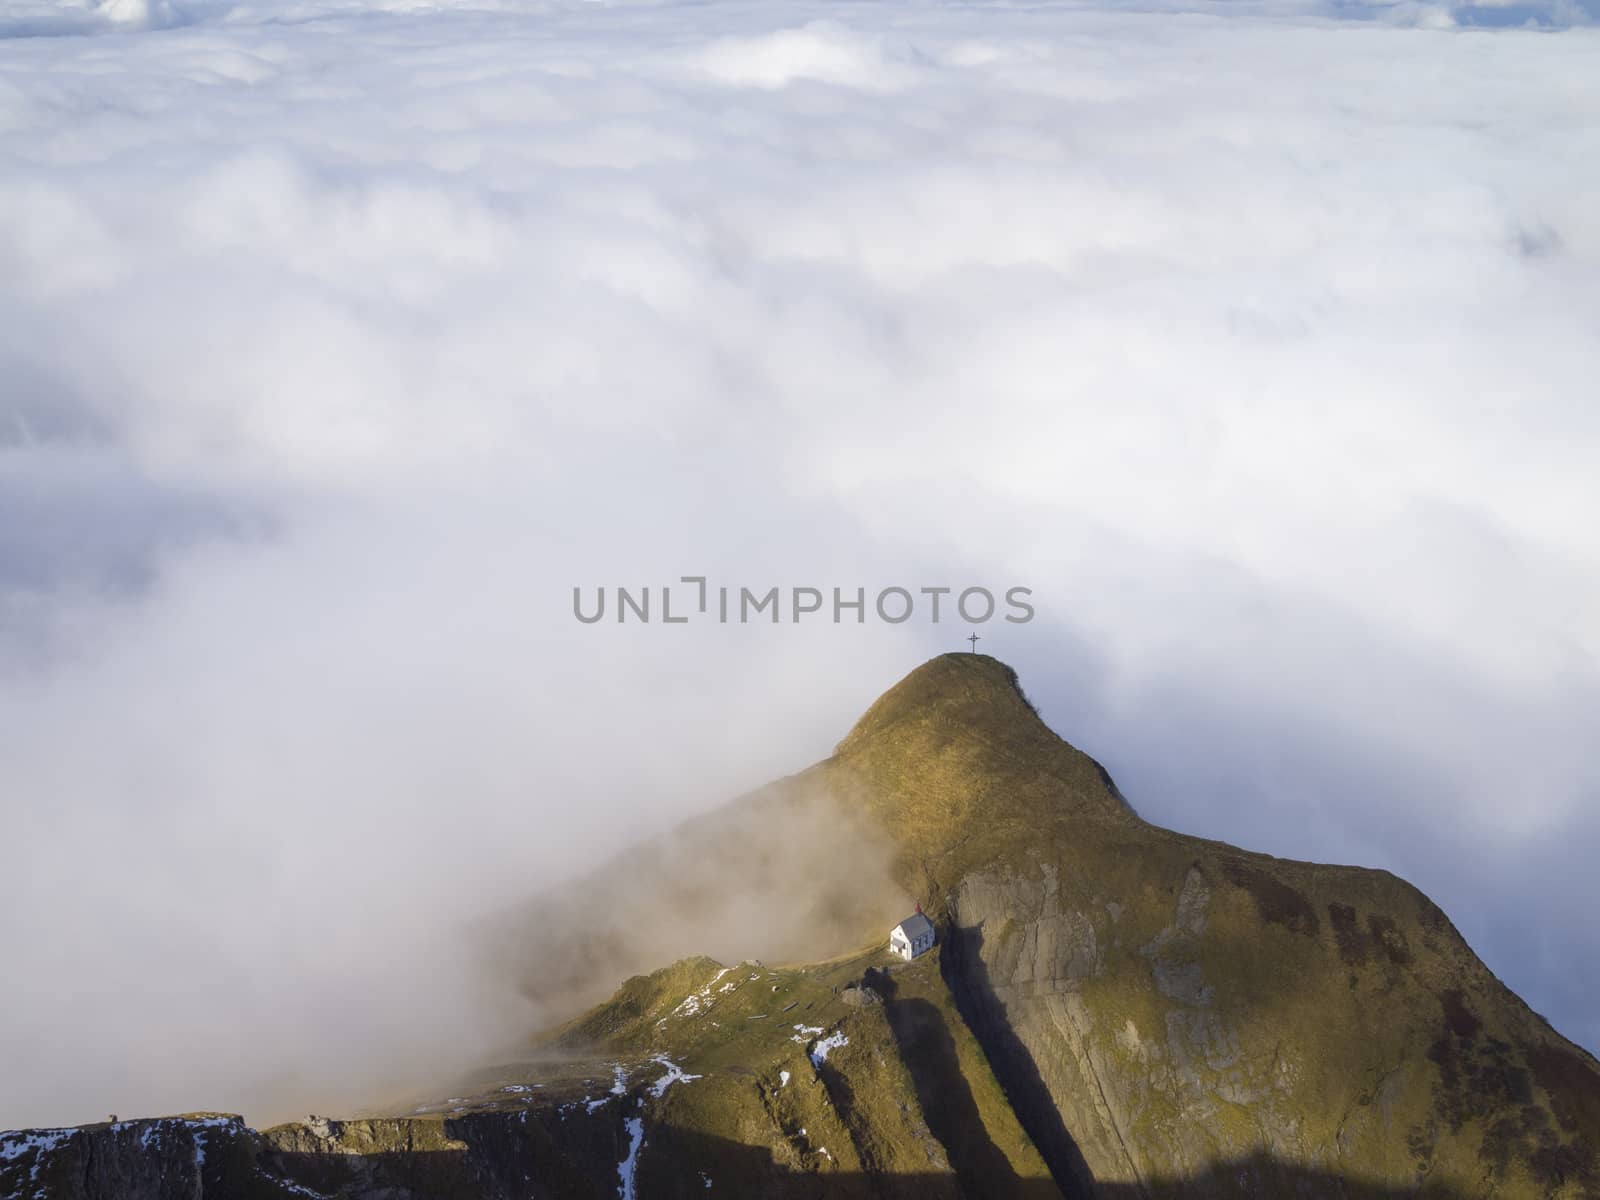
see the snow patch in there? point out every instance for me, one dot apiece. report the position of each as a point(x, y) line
point(42, 1142)
point(697, 1002)
point(288, 1185)
point(824, 1046)
point(783, 1079)
point(619, 1087)
point(627, 1167)
point(675, 1074)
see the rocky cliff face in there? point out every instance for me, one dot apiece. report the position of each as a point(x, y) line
point(139, 1160)
point(1159, 1005)
point(1115, 1011)
point(1342, 1030)
point(493, 1156)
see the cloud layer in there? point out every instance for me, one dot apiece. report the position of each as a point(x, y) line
point(339, 341)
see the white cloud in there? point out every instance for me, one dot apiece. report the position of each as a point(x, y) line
point(820, 51)
point(340, 340)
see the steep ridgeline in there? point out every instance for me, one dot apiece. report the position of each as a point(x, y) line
point(1180, 1017)
point(1115, 1011)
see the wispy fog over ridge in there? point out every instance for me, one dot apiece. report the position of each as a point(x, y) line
point(340, 341)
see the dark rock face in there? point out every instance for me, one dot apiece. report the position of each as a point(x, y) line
point(136, 1160)
point(484, 1156)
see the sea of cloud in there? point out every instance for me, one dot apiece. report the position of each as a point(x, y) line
point(340, 340)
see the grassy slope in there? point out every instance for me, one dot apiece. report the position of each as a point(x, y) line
point(904, 1105)
point(909, 1094)
point(1346, 1023)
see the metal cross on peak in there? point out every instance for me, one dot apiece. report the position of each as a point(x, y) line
point(974, 639)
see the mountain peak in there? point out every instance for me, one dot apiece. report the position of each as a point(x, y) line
point(957, 763)
point(976, 689)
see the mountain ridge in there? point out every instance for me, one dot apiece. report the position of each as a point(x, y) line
point(1114, 1010)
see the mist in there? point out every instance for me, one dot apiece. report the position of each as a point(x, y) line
point(791, 873)
point(340, 341)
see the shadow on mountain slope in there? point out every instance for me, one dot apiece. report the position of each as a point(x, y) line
point(945, 1096)
point(1036, 1109)
point(679, 1164)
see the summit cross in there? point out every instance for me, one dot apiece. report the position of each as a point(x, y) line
point(974, 640)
